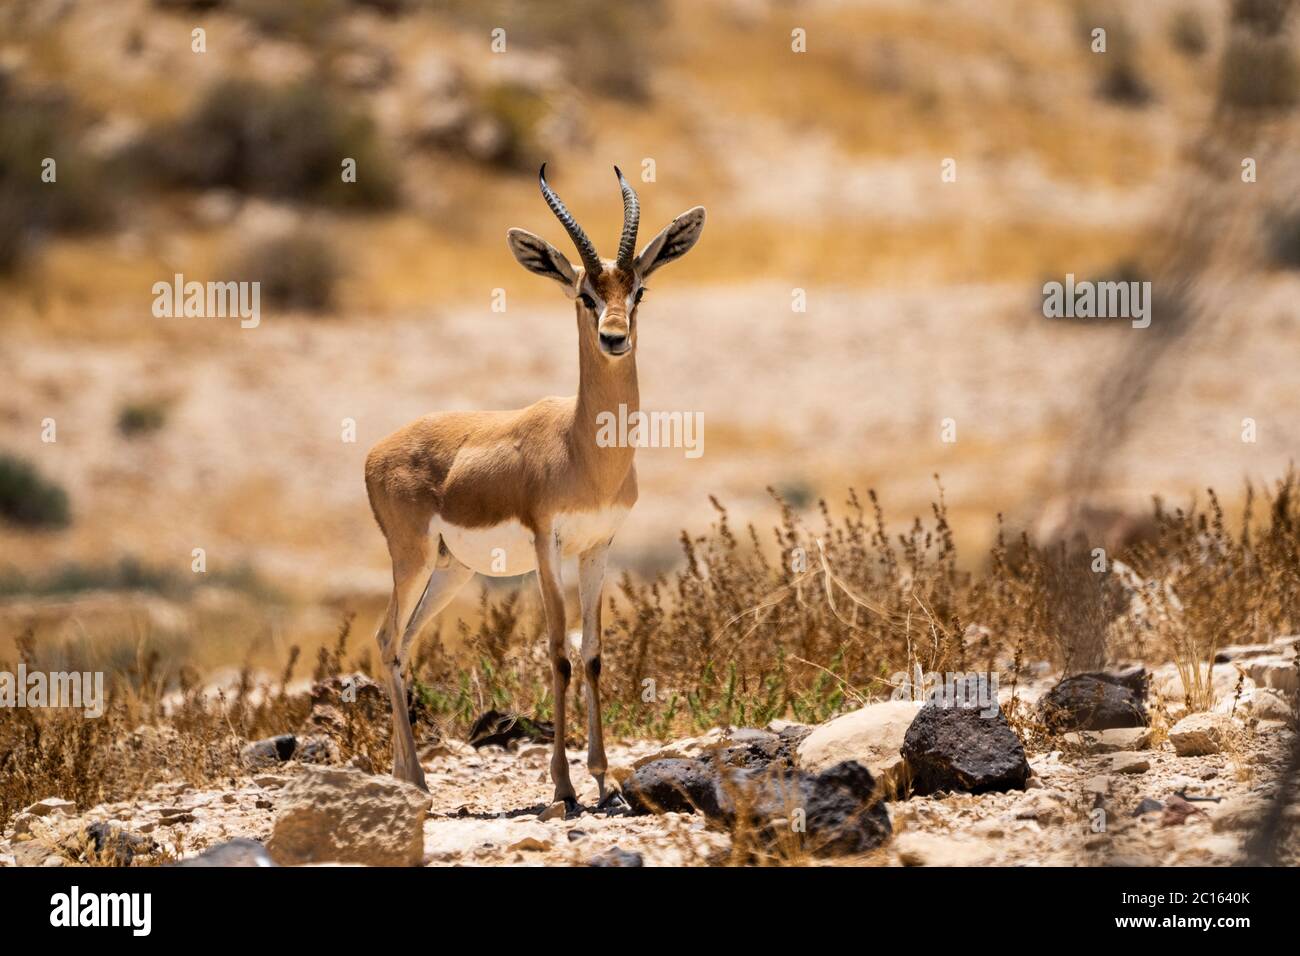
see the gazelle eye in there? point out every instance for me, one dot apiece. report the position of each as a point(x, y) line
point(640, 293)
point(587, 301)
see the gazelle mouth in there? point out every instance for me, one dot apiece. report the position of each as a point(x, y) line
point(616, 347)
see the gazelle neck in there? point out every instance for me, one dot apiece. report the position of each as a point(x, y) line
point(604, 385)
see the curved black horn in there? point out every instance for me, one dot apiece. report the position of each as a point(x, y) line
point(586, 250)
point(631, 220)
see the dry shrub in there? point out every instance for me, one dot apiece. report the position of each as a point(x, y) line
point(816, 621)
point(284, 142)
point(1220, 586)
point(1258, 72)
point(298, 270)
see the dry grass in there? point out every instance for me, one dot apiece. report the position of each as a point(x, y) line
point(799, 623)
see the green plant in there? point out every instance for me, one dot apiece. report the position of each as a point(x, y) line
point(28, 499)
point(1187, 33)
point(287, 142)
point(1257, 72)
point(40, 130)
point(298, 270)
point(141, 417)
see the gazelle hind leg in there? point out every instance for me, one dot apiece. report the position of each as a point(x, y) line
point(420, 590)
point(591, 576)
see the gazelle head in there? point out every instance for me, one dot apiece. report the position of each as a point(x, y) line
point(606, 291)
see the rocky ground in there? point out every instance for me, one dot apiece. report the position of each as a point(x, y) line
point(1143, 784)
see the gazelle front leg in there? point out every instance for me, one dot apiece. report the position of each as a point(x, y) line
point(591, 576)
point(548, 578)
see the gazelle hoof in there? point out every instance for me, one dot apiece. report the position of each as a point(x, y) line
point(613, 802)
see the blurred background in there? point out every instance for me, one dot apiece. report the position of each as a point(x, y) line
point(823, 175)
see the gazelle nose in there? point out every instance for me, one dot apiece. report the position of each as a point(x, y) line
point(613, 344)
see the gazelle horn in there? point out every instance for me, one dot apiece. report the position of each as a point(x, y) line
point(631, 220)
point(587, 251)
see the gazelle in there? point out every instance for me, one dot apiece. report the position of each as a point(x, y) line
point(503, 493)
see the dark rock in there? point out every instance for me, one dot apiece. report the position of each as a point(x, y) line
point(674, 786)
point(107, 840)
point(1097, 701)
point(261, 754)
point(264, 754)
point(950, 747)
point(752, 749)
point(320, 750)
point(616, 857)
point(1147, 805)
point(494, 727)
point(832, 813)
point(237, 852)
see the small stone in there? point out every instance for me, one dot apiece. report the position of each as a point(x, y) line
point(615, 857)
point(872, 735)
point(1279, 673)
point(1045, 806)
point(530, 845)
point(340, 815)
point(1148, 805)
point(555, 811)
point(54, 861)
point(1109, 741)
point(1199, 734)
point(1127, 761)
point(1270, 704)
point(1099, 784)
point(238, 852)
point(918, 848)
point(52, 806)
point(1240, 813)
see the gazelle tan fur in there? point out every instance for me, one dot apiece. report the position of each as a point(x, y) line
point(502, 493)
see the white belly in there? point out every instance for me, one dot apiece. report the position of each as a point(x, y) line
point(507, 549)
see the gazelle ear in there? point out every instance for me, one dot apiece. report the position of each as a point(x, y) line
point(673, 243)
point(538, 256)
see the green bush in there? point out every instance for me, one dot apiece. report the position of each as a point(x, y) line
point(1264, 17)
point(27, 499)
point(285, 142)
point(141, 418)
point(1121, 83)
point(32, 129)
point(305, 20)
point(1283, 232)
point(296, 271)
point(1187, 33)
point(1257, 73)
